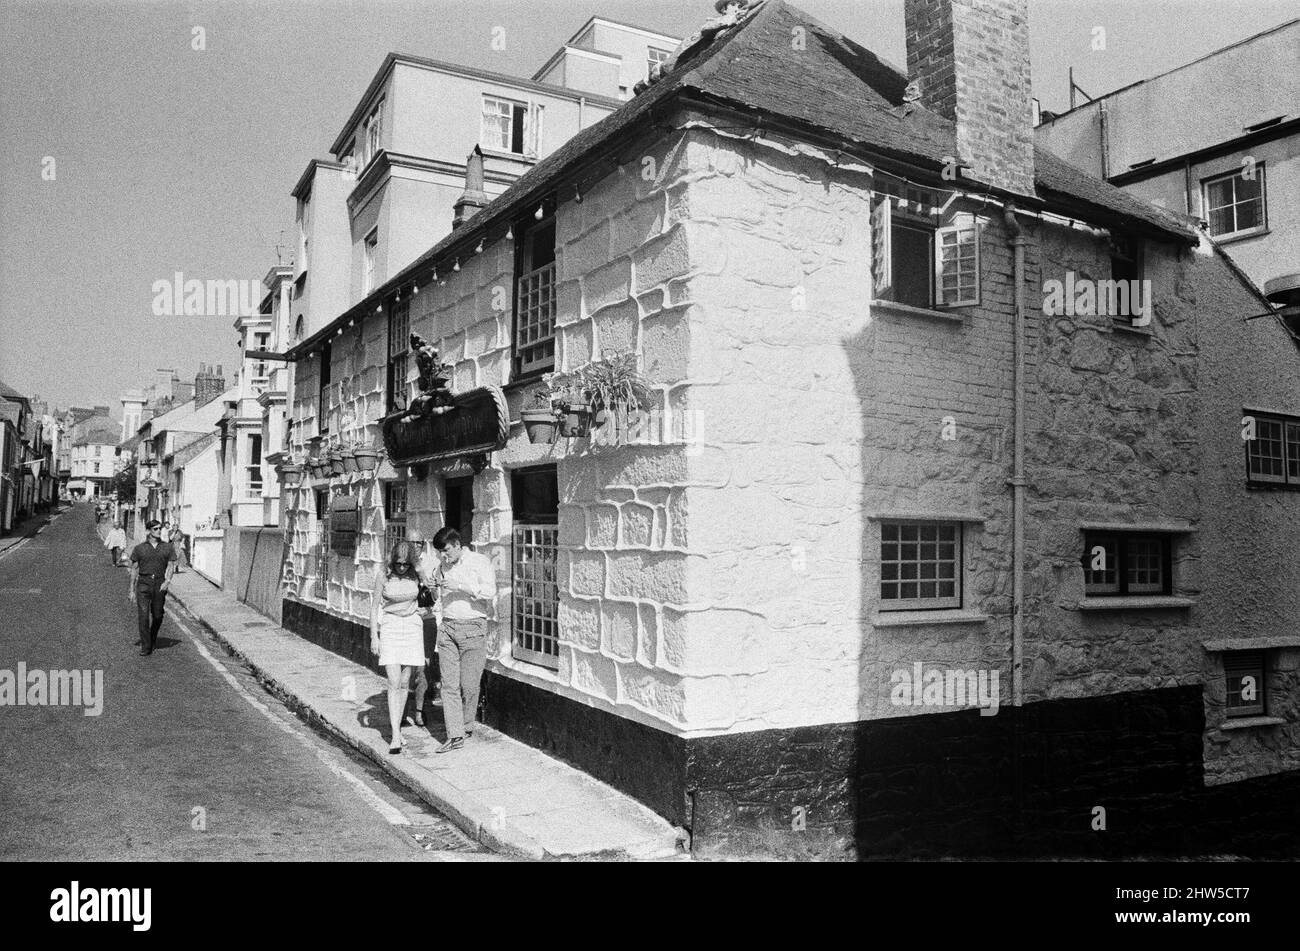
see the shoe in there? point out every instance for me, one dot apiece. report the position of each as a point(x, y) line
point(455, 743)
point(145, 652)
point(394, 748)
point(418, 717)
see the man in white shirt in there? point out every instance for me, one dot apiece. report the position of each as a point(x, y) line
point(115, 540)
point(466, 585)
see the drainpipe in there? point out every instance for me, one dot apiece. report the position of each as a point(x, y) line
point(1104, 119)
point(1017, 242)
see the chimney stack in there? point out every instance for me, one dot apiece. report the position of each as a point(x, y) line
point(207, 386)
point(473, 199)
point(971, 60)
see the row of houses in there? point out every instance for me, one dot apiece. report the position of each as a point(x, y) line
point(867, 458)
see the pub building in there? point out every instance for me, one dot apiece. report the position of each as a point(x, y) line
point(845, 466)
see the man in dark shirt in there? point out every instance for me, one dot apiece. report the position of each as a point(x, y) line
point(152, 564)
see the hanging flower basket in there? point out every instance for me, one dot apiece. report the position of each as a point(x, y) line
point(367, 460)
point(291, 474)
point(541, 425)
point(336, 463)
point(575, 419)
point(349, 462)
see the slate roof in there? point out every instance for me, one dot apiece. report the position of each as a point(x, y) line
point(9, 393)
point(192, 450)
point(836, 89)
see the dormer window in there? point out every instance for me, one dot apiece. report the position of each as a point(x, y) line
point(372, 131)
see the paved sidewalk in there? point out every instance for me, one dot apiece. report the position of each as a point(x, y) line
point(509, 796)
point(28, 528)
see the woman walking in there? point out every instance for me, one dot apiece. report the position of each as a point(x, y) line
point(397, 632)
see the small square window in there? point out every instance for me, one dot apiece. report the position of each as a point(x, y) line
point(1235, 203)
point(1117, 564)
point(1245, 673)
point(920, 565)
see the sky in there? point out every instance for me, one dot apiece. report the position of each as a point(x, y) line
point(168, 158)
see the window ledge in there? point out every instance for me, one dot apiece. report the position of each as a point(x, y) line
point(1272, 486)
point(1135, 603)
point(1266, 642)
point(922, 618)
point(1155, 528)
point(1241, 235)
point(907, 310)
point(512, 156)
point(927, 515)
point(1245, 723)
point(1143, 330)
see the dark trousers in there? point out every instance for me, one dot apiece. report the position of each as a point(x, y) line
point(117, 556)
point(149, 602)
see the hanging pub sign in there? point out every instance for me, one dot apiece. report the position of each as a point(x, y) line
point(345, 524)
point(441, 426)
point(477, 422)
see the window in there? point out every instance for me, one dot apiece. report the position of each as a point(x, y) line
point(535, 293)
point(253, 471)
point(260, 342)
point(372, 131)
point(918, 260)
point(368, 276)
point(535, 596)
point(1126, 263)
point(298, 328)
point(96, 468)
point(322, 395)
point(510, 126)
point(920, 565)
point(349, 160)
point(653, 58)
point(394, 514)
point(1245, 672)
point(398, 354)
point(1234, 204)
point(1126, 563)
point(322, 542)
point(1273, 456)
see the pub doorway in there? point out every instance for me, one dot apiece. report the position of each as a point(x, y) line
point(459, 508)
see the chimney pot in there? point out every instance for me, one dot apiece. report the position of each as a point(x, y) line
point(473, 198)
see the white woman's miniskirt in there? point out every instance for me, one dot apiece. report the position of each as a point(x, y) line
point(401, 640)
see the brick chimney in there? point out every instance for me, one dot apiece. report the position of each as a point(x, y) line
point(971, 60)
point(207, 386)
point(473, 199)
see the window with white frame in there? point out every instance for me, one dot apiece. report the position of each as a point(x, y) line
point(1116, 564)
point(535, 293)
point(1245, 673)
point(372, 132)
point(511, 126)
point(1235, 203)
point(655, 57)
point(253, 470)
point(1273, 455)
point(322, 560)
point(920, 565)
point(399, 345)
point(368, 268)
point(535, 595)
point(922, 255)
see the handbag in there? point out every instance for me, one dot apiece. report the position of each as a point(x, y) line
point(424, 597)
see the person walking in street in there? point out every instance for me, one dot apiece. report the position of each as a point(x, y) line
point(153, 562)
point(467, 585)
point(178, 539)
point(397, 632)
point(115, 540)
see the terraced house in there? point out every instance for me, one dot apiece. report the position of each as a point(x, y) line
point(871, 468)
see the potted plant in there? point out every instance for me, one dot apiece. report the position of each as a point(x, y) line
point(291, 470)
point(348, 450)
point(570, 403)
point(541, 422)
point(335, 459)
point(367, 458)
point(612, 384)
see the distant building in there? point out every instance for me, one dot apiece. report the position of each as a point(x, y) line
point(1217, 138)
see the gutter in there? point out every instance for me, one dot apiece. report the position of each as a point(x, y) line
point(1017, 242)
